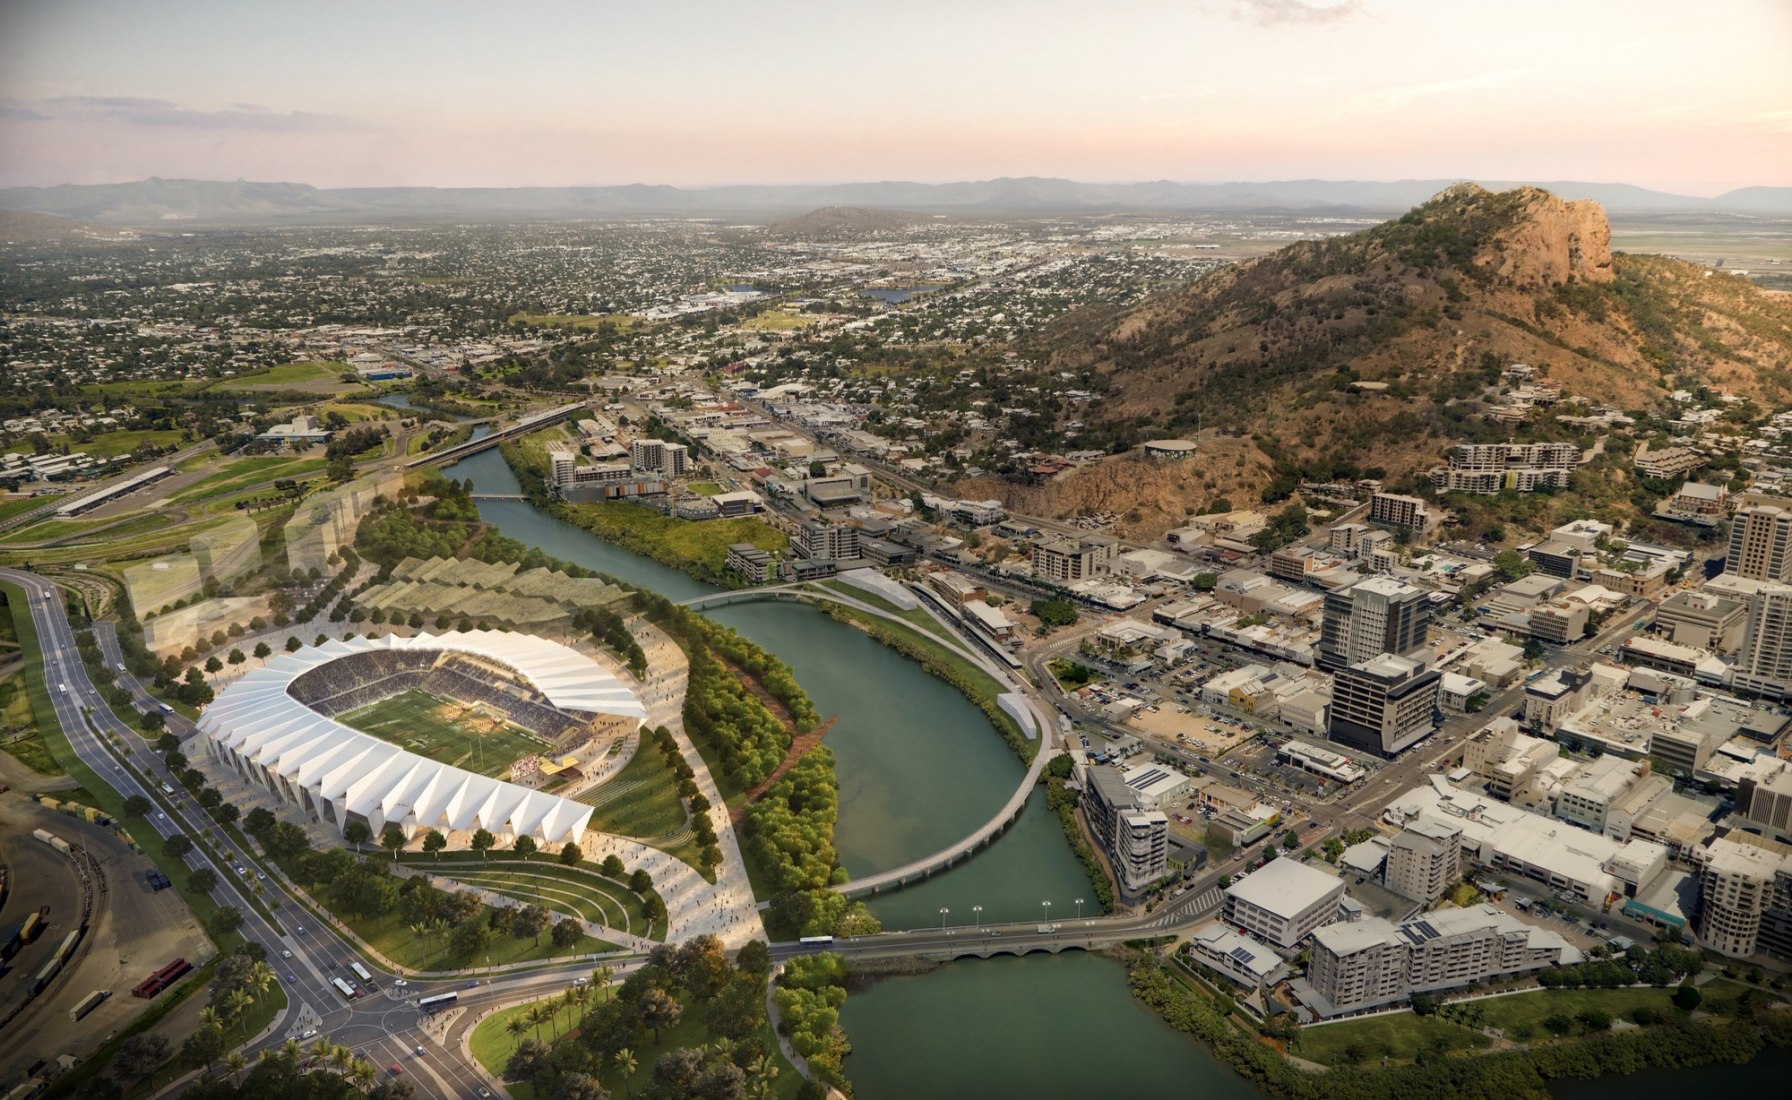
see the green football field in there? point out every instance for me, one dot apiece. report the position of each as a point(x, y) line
point(444, 729)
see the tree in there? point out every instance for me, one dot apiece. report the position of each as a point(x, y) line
point(258, 821)
point(236, 657)
point(262, 650)
point(168, 742)
point(529, 1056)
point(531, 921)
point(1687, 997)
point(178, 845)
point(226, 920)
point(212, 664)
point(658, 1009)
point(152, 720)
point(203, 1048)
point(226, 813)
point(392, 840)
point(677, 1071)
point(755, 958)
point(524, 846)
point(581, 1086)
point(1054, 612)
point(203, 881)
point(357, 833)
point(293, 645)
point(1512, 565)
point(434, 842)
point(483, 841)
point(567, 932)
point(571, 855)
point(640, 882)
point(140, 1054)
point(612, 866)
point(137, 805)
point(469, 939)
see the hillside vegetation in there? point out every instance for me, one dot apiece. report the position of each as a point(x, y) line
point(1432, 305)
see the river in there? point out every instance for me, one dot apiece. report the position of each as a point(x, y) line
point(918, 767)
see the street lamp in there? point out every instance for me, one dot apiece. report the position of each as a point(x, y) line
point(977, 916)
point(943, 913)
point(1048, 911)
point(1079, 909)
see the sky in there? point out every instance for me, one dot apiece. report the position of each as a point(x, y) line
point(1693, 96)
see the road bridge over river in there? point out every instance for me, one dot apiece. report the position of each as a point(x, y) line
point(498, 435)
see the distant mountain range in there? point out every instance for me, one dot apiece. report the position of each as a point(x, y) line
point(154, 202)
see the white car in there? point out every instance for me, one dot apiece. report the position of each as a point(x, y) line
point(286, 954)
point(310, 1033)
point(400, 982)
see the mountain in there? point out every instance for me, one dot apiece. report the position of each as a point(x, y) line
point(1368, 354)
point(157, 201)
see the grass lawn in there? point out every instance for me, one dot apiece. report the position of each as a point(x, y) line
point(20, 735)
point(916, 617)
point(1531, 1009)
point(1399, 1037)
point(143, 388)
point(585, 896)
point(622, 321)
point(355, 412)
point(492, 1045)
point(240, 473)
point(391, 937)
point(17, 505)
point(642, 802)
point(113, 444)
point(672, 541)
point(446, 730)
point(703, 488)
point(1071, 675)
point(313, 377)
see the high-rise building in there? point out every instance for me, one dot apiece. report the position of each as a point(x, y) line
point(1406, 513)
point(1745, 894)
point(647, 454)
point(1761, 543)
point(1764, 665)
point(821, 540)
point(1065, 560)
point(1384, 705)
point(1135, 838)
point(1372, 617)
point(1424, 859)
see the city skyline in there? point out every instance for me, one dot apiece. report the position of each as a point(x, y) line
point(701, 95)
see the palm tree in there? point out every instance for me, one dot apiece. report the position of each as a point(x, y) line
point(723, 1046)
point(537, 1016)
point(237, 1062)
point(238, 1002)
point(341, 1058)
point(602, 977)
point(291, 1049)
point(625, 1063)
point(516, 1025)
point(208, 1017)
point(260, 977)
point(363, 1074)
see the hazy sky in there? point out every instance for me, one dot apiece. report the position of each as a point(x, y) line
point(1691, 95)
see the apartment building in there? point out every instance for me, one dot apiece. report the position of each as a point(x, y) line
point(1383, 705)
point(1764, 663)
point(1589, 796)
point(1487, 468)
point(1702, 620)
point(820, 540)
point(1764, 798)
point(1372, 962)
point(1136, 839)
point(1243, 960)
point(1284, 901)
point(1760, 543)
point(1424, 859)
point(1745, 895)
point(1406, 513)
point(751, 562)
point(1067, 560)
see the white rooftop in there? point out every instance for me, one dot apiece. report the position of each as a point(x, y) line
point(1285, 887)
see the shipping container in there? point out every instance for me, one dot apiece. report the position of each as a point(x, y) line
point(88, 1003)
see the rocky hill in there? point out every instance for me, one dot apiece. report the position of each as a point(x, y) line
point(1372, 352)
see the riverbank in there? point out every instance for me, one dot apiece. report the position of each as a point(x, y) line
point(1503, 1075)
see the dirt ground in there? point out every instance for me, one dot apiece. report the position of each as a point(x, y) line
point(1166, 724)
point(134, 931)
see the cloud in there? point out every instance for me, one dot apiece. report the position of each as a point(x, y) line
point(166, 114)
point(1269, 13)
point(1386, 100)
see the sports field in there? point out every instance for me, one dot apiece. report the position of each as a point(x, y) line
point(444, 729)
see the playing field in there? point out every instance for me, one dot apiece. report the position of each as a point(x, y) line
point(444, 729)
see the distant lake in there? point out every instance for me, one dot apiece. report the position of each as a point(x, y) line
point(896, 295)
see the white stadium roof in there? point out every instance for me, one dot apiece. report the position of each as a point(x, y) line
point(258, 719)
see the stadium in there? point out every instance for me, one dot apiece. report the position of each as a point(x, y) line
point(417, 732)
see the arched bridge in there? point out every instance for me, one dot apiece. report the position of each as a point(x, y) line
point(952, 853)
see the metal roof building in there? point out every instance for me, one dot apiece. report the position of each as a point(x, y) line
point(332, 771)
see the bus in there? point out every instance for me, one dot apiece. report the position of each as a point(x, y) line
point(360, 972)
point(427, 1005)
point(817, 941)
point(342, 987)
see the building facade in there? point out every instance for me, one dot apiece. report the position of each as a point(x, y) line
point(1384, 705)
point(1372, 617)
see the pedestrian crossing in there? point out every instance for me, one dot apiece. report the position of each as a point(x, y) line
point(1188, 908)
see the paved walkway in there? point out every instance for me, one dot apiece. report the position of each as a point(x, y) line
point(616, 936)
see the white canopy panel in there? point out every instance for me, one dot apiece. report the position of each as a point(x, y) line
point(356, 772)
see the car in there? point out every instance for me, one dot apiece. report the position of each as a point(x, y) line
point(473, 983)
point(580, 981)
point(400, 982)
point(241, 870)
point(419, 1050)
point(160, 816)
point(301, 930)
point(485, 1094)
point(285, 954)
point(292, 979)
point(310, 1033)
point(395, 1069)
point(993, 934)
point(261, 875)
